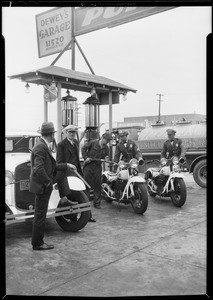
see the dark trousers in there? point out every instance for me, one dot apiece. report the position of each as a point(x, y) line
point(41, 206)
point(92, 174)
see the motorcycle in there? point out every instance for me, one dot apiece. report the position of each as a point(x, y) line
point(125, 186)
point(173, 184)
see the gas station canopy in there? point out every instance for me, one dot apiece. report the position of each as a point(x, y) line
point(75, 80)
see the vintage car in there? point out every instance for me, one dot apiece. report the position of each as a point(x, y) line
point(19, 201)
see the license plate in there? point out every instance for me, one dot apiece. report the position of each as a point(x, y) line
point(24, 185)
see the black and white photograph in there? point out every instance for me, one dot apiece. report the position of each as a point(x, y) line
point(105, 150)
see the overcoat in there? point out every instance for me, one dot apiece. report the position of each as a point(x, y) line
point(43, 167)
point(69, 153)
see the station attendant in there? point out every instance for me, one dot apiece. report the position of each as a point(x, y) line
point(171, 147)
point(95, 149)
point(127, 149)
point(68, 152)
point(42, 177)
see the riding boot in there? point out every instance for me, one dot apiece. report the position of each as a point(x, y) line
point(160, 184)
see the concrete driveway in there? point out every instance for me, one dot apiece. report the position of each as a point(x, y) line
point(162, 252)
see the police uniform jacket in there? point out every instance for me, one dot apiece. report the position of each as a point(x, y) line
point(43, 167)
point(127, 152)
point(68, 153)
point(173, 148)
point(93, 150)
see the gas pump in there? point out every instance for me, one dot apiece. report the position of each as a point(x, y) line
point(92, 117)
point(69, 110)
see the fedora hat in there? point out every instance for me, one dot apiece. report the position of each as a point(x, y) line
point(47, 127)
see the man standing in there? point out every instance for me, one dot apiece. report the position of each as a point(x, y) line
point(68, 152)
point(68, 149)
point(92, 152)
point(43, 176)
point(172, 147)
point(127, 149)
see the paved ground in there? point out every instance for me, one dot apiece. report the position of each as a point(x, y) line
point(162, 252)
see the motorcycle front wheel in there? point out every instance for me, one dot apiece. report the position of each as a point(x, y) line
point(74, 222)
point(140, 201)
point(178, 196)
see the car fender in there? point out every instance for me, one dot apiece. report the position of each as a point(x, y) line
point(75, 184)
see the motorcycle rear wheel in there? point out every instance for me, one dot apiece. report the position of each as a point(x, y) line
point(74, 222)
point(178, 197)
point(140, 200)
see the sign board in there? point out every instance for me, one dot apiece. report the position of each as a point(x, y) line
point(50, 92)
point(88, 19)
point(54, 27)
point(53, 30)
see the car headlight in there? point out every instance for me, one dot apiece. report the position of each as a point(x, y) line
point(133, 163)
point(175, 160)
point(121, 164)
point(9, 177)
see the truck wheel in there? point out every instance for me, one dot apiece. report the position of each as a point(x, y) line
point(178, 196)
point(74, 222)
point(140, 200)
point(200, 173)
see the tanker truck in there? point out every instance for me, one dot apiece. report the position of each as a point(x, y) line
point(150, 142)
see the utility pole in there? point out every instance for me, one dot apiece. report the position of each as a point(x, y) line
point(159, 106)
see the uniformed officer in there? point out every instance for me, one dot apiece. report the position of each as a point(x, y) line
point(172, 147)
point(92, 152)
point(127, 149)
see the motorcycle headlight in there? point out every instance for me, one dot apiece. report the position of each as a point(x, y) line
point(165, 171)
point(175, 160)
point(9, 178)
point(176, 168)
point(121, 164)
point(163, 161)
point(133, 163)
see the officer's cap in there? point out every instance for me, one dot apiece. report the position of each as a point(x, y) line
point(70, 128)
point(107, 136)
point(171, 131)
point(123, 133)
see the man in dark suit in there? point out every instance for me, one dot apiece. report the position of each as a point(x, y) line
point(43, 175)
point(68, 152)
point(68, 149)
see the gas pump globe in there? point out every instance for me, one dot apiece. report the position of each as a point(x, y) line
point(69, 111)
point(92, 117)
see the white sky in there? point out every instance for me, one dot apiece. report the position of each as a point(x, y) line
point(161, 54)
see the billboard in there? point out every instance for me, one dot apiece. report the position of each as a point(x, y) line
point(88, 19)
point(54, 27)
point(53, 30)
